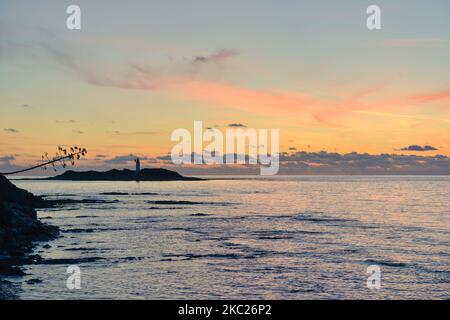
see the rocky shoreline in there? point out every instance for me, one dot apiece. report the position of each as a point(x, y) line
point(19, 229)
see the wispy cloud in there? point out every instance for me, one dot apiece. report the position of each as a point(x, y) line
point(218, 56)
point(125, 159)
point(396, 115)
point(430, 97)
point(66, 121)
point(384, 114)
point(415, 42)
point(136, 133)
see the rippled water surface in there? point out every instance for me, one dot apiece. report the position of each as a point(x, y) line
point(284, 238)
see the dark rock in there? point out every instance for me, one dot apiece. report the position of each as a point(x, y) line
point(11, 271)
point(10, 193)
point(8, 290)
point(64, 202)
point(34, 281)
point(19, 226)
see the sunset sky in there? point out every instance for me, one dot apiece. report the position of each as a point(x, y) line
point(138, 70)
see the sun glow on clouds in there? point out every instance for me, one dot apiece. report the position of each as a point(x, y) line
point(151, 82)
point(273, 101)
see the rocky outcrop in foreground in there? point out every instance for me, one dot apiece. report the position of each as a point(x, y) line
point(19, 225)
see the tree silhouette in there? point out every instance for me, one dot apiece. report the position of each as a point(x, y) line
point(62, 158)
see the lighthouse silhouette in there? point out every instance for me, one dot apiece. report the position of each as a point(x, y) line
point(138, 166)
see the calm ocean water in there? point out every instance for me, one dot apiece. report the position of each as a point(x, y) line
point(283, 238)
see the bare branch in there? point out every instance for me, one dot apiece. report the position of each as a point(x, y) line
point(60, 158)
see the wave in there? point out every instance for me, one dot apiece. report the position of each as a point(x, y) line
point(81, 201)
point(68, 261)
point(184, 202)
point(191, 256)
point(386, 263)
point(129, 194)
point(321, 218)
point(166, 208)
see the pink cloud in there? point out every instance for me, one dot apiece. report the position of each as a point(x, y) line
point(269, 102)
point(431, 97)
point(253, 100)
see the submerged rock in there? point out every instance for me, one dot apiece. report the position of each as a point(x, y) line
point(34, 281)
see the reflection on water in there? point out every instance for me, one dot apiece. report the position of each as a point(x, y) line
point(284, 238)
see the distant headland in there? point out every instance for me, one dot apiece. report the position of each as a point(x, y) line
point(123, 175)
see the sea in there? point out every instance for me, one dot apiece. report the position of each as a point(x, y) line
point(302, 237)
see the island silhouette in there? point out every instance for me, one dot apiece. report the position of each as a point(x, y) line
point(152, 174)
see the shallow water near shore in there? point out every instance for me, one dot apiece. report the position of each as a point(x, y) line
point(282, 238)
